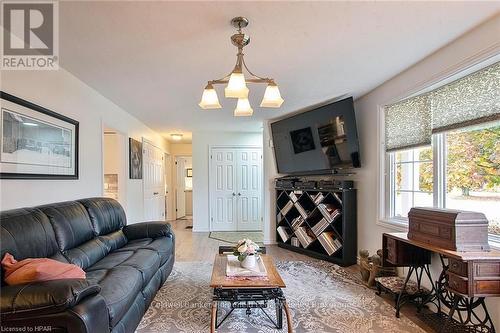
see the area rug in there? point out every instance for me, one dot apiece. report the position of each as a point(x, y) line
point(234, 236)
point(322, 296)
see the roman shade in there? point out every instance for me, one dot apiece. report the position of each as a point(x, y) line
point(408, 123)
point(471, 100)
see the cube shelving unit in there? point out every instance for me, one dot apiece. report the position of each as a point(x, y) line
point(320, 223)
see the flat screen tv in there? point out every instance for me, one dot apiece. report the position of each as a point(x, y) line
point(317, 141)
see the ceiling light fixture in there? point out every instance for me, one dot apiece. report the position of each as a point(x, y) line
point(176, 137)
point(237, 83)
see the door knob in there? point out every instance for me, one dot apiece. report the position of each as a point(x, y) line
point(239, 194)
point(155, 193)
point(234, 194)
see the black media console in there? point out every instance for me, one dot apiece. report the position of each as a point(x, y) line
point(317, 219)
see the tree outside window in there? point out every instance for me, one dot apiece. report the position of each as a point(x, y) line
point(473, 172)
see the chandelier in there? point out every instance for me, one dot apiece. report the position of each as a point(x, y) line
point(237, 83)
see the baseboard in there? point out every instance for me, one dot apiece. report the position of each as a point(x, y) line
point(200, 230)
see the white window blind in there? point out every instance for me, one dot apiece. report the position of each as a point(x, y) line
point(473, 99)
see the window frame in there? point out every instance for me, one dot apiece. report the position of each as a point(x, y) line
point(393, 163)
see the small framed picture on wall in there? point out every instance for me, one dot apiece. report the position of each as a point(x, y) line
point(189, 172)
point(135, 159)
point(36, 143)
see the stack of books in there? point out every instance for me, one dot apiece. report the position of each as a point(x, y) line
point(330, 242)
point(295, 242)
point(293, 196)
point(301, 210)
point(297, 222)
point(329, 212)
point(319, 227)
point(303, 237)
point(318, 198)
point(287, 207)
point(284, 233)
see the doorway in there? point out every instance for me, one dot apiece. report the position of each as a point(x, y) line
point(183, 187)
point(114, 150)
point(235, 188)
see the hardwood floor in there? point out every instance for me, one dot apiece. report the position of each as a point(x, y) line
point(197, 246)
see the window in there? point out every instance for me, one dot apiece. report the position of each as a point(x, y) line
point(412, 180)
point(442, 147)
point(473, 172)
point(468, 165)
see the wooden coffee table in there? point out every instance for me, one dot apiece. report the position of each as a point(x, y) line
point(249, 293)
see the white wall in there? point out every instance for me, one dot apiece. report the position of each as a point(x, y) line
point(269, 174)
point(201, 143)
point(476, 45)
point(63, 93)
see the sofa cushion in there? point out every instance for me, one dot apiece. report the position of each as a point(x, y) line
point(26, 233)
point(145, 261)
point(106, 215)
point(120, 286)
point(114, 240)
point(88, 253)
point(163, 245)
point(44, 297)
point(70, 222)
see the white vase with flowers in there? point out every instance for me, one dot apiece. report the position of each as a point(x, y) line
point(247, 252)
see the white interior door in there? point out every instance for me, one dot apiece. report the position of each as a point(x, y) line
point(154, 182)
point(180, 188)
point(168, 185)
point(249, 181)
point(236, 189)
point(223, 190)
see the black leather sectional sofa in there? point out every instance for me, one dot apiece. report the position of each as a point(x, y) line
point(125, 266)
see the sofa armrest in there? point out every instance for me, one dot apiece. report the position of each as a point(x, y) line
point(153, 229)
point(44, 297)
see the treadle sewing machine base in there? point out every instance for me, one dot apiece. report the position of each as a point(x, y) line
point(466, 279)
point(440, 322)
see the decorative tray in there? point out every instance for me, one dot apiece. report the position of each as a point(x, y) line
point(234, 268)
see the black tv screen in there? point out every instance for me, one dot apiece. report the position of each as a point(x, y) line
point(317, 141)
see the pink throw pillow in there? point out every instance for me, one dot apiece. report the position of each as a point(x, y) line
point(42, 269)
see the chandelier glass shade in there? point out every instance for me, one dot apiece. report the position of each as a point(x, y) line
point(236, 87)
point(243, 108)
point(209, 100)
point(272, 97)
point(237, 82)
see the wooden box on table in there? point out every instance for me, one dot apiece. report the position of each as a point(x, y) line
point(454, 230)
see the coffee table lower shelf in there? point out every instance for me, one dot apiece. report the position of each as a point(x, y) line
point(248, 293)
point(250, 298)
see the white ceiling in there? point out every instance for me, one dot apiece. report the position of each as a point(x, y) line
point(154, 58)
